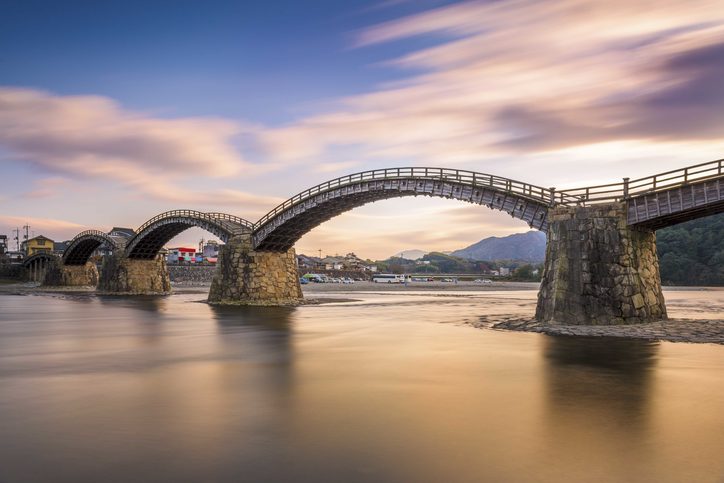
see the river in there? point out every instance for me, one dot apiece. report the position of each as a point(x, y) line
point(394, 387)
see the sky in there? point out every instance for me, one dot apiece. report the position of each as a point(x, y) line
point(112, 112)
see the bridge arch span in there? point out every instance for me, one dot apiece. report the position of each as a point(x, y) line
point(44, 256)
point(82, 246)
point(279, 229)
point(160, 229)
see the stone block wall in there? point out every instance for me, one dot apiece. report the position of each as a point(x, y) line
point(123, 275)
point(191, 275)
point(247, 277)
point(599, 270)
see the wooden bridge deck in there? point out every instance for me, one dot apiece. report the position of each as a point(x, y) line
point(675, 205)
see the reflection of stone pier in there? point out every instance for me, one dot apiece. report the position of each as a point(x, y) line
point(248, 277)
point(598, 398)
point(599, 269)
point(123, 275)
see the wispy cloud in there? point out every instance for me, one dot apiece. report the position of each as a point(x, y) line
point(61, 229)
point(522, 77)
point(76, 134)
point(92, 137)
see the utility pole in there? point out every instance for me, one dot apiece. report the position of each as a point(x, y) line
point(17, 239)
point(25, 238)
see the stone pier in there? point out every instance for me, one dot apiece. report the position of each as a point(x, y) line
point(248, 277)
point(599, 270)
point(123, 275)
point(73, 275)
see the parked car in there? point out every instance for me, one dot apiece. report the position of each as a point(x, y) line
point(483, 280)
point(303, 281)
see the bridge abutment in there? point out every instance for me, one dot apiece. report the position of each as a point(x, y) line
point(123, 275)
point(599, 270)
point(245, 276)
point(73, 275)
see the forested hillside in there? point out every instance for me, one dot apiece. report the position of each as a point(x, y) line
point(692, 253)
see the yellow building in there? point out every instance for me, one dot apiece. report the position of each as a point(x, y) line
point(37, 245)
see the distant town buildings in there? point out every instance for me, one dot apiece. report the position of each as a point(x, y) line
point(349, 262)
point(207, 252)
point(36, 245)
point(59, 247)
point(210, 249)
point(181, 254)
point(124, 234)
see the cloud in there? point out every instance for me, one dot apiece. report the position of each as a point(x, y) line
point(75, 134)
point(336, 167)
point(92, 137)
point(520, 78)
point(46, 187)
point(58, 228)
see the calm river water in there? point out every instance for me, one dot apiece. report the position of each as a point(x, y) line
point(392, 388)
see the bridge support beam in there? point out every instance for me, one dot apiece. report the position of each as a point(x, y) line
point(123, 275)
point(72, 275)
point(599, 270)
point(248, 277)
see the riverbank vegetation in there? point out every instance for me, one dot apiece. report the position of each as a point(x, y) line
point(692, 253)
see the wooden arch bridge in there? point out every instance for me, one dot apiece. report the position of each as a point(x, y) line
point(581, 261)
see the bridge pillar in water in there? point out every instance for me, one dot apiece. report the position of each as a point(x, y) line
point(245, 276)
point(72, 275)
point(598, 269)
point(123, 275)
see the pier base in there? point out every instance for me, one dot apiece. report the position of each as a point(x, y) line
point(122, 275)
point(599, 270)
point(248, 277)
point(72, 275)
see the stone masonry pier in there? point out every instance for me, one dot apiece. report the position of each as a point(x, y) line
point(248, 277)
point(599, 270)
point(123, 275)
point(73, 275)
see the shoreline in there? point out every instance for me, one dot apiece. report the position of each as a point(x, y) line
point(671, 330)
point(677, 329)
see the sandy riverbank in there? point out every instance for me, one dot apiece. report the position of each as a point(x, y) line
point(418, 286)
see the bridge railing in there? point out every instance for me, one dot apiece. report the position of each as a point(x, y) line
point(89, 232)
point(591, 194)
point(482, 180)
point(641, 186)
point(96, 233)
point(232, 219)
point(212, 217)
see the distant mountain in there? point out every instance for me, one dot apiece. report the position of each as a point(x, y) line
point(528, 247)
point(411, 254)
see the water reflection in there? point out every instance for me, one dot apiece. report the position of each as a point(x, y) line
point(146, 303)
point(172, 390)
point(613, 374)
point(273, 318)
point(598, 402)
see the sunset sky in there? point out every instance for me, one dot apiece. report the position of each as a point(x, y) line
point(112, 112)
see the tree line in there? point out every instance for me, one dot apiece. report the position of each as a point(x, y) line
point(692, 253)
